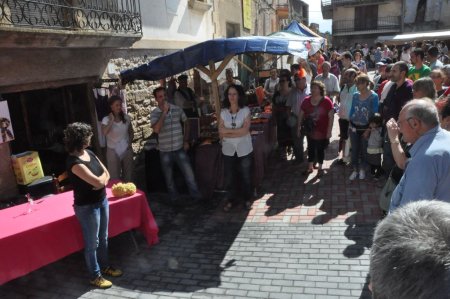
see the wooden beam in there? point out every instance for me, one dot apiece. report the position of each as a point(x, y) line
point(243, 64)
point(204, 70)
point(90, 102)
point(215, 88)
point(222, 66)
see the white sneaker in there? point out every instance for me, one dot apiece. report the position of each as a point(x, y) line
point(353, 176)
point(362, 174)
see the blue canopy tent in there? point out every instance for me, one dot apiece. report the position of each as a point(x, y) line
point(211, 51)
point(302, 30)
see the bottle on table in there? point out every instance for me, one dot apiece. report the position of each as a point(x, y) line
point(30, 204)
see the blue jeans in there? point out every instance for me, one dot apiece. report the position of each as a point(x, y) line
point(359, 149)
point(94, 219)
point(182, 160)
point(238, 171)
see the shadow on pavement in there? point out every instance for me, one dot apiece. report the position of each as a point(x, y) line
point(191, 255)
point(331, 197)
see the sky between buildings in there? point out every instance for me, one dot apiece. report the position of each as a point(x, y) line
point(315, 15)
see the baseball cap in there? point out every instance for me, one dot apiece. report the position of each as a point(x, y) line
point(384, 61)
point(301, 73)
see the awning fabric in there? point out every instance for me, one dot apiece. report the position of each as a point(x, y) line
point(416, 36)
point(216, 50)
point(299, 28)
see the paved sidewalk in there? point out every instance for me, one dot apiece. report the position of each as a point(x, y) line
point(304, 238)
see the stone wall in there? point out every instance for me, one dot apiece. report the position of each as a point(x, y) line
point(140, 103)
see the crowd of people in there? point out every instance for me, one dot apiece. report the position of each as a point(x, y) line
point(398, 127)
point(389, 125)
point(395, 126)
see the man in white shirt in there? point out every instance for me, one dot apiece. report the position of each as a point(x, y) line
point(330, 80)
point(345, 100)
point(229, 81)
point(295, 100)
point(435, 63)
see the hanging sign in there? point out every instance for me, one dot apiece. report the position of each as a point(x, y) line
point(247, 14)
point(6, 131)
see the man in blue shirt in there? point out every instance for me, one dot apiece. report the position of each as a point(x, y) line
point(427, 174)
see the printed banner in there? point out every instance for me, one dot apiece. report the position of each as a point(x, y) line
point(6, 130)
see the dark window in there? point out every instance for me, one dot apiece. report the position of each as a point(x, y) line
point(366, 17)
point(421, 9)
point(233, 30)
point(39, 118)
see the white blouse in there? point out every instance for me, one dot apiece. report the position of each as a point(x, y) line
point(242, 146)
point(118, 132)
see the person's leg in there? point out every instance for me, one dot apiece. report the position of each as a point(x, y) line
point(113, 162)
point(311, 150)
point(183, 162)
point(343, 134)
point(245, 169)
point(311, 155)
point(355, 140)
point(230, 173)
point(167, 169)
point(388, 158)
point(128, 166)
point(89, 218)
point(363, 151)
point(297, 145)
point(102, 251)
point(320, 148)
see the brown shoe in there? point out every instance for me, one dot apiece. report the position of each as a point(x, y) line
point(101, 283)
point(113, 272)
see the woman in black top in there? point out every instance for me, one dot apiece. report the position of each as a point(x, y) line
point(89, 178)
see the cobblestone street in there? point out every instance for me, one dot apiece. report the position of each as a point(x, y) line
point(304, 238)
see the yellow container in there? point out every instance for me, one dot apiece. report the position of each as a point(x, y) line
point(27, 167)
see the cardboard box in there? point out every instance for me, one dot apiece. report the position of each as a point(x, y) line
point(27, 167)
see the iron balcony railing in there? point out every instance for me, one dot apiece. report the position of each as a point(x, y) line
point(330, 3)
point(109, 16)
point(378, 24)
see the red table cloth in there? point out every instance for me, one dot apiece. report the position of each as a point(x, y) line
point(51, 231)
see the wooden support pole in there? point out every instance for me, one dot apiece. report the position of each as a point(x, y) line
point(222, 66)
point(204, 70)
point(215, 88)
point(90, 102)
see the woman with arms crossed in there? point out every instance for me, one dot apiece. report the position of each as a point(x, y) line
point(89, 178)
point(237, 148)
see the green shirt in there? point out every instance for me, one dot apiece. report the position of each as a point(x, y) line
point(415, 74)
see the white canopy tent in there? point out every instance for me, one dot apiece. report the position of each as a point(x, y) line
point(416, 36)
